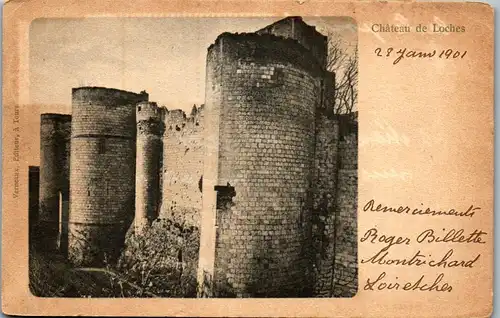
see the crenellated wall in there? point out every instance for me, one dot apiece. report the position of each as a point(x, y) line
point(182, 169)
point(306, 35)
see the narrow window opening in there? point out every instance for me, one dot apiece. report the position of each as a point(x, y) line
point(102, 145)
point(322, 93)
point(60, 214)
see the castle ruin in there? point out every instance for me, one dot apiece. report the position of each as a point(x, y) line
point(265, 169)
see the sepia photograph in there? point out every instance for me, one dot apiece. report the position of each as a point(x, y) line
point(193, 157)
point(247, 158)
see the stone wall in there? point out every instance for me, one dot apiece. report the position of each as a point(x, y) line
point(345, 268)
point(102, 172)
point(324, 206)
point(183, 156)
point(335, 212)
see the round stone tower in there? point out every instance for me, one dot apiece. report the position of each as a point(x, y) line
point(55, 130)
point(261, 96)
point(150, 129)
point(102, 190)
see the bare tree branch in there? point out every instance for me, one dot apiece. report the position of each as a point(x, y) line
point(345, 67)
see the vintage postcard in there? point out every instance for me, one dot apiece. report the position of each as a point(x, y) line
point(247, 158)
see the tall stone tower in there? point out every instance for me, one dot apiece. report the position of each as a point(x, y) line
point(55, 130)
point(103, 150)
point(34, 196)
point(262, 93)
point(150, 129)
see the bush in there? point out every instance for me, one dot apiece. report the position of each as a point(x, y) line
point(163, 259)
point(161, 262)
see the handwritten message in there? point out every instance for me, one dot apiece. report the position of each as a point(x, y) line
point(418, 257)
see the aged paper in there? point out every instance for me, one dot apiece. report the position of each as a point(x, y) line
point(248, 158)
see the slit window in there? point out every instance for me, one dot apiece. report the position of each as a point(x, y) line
point(102, 145)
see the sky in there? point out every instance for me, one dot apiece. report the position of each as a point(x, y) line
point(165, 56)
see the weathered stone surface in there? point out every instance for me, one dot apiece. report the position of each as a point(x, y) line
point(103, 152)
point(183, 156)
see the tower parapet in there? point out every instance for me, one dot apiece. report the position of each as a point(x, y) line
point(295, 28)
point(149, 111)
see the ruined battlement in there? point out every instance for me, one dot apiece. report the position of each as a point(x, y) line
point(55, 117)
point(104, 96)
point(148, 111)
point(149, 119)
point(177, 120)
point(265, 48)
point(295, 28)
point(104, 111)
point(175, 115)
point(183, 157)
point(55, 126)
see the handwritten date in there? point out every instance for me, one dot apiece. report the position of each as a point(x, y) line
point(403, 53)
